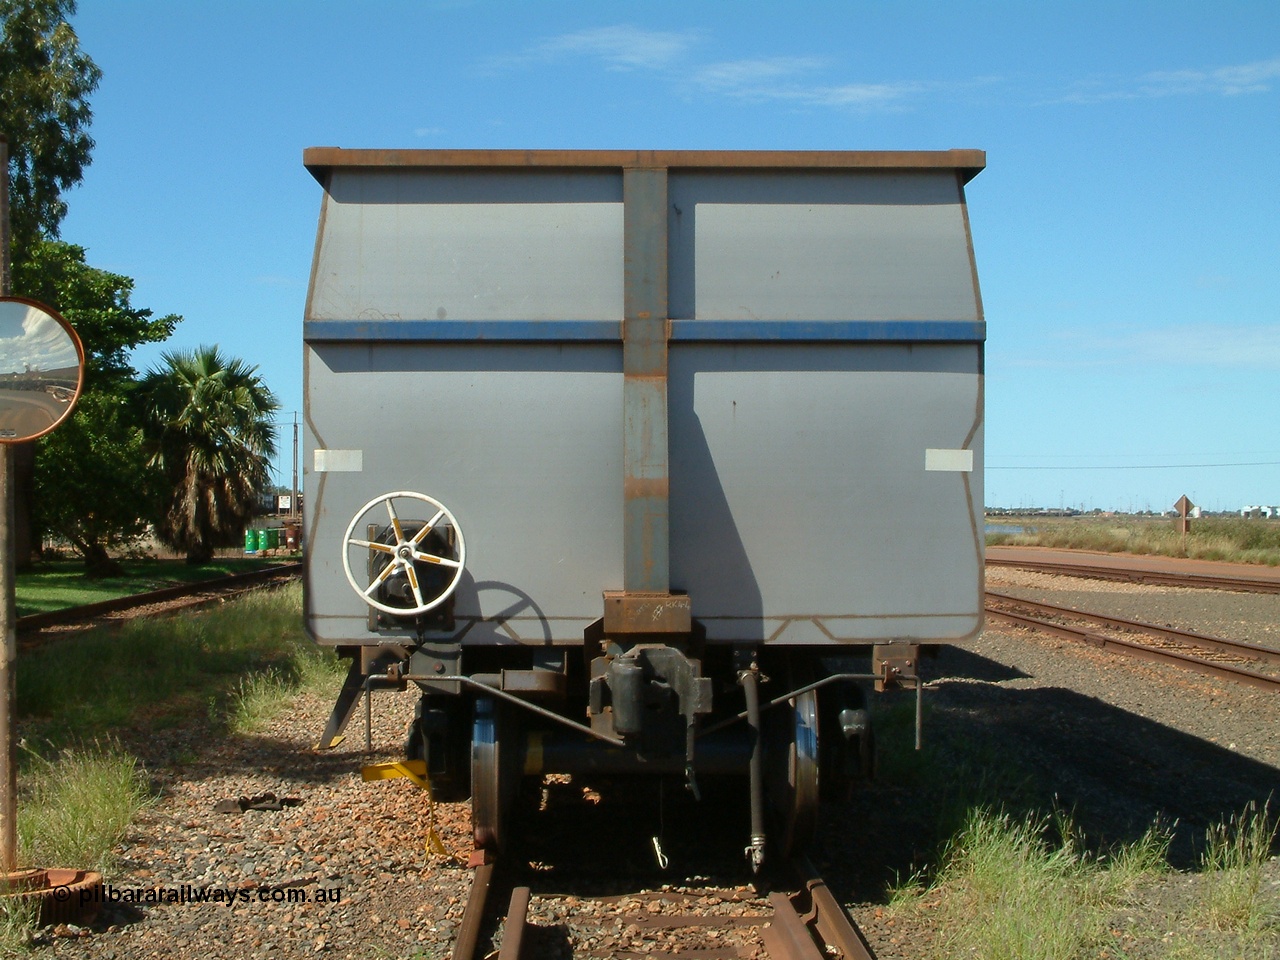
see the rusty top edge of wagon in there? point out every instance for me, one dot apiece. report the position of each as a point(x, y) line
point(968, 163)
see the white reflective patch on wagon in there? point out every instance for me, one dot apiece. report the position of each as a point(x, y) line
point(339, 461)
point(957, 461)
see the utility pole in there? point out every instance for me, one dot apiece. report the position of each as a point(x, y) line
point(8, 601)
point(293, 500)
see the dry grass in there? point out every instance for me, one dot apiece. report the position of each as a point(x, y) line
point(1233, 539)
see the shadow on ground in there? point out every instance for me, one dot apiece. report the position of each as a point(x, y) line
point(1032, 752)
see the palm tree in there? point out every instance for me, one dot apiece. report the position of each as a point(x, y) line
point(210, 433)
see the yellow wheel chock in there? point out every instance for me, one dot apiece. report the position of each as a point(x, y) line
point(415, 771)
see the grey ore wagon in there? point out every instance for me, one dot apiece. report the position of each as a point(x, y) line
point(642, 462)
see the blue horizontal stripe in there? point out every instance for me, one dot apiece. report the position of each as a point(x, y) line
point(910, 331)
point(467, 330)
point(895, 331)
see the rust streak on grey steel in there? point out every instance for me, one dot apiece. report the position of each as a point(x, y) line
point(646, 531)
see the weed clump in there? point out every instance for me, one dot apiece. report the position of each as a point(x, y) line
point(76, 805)
point(1236, 853)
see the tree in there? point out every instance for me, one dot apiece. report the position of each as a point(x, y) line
point(46, 80)
point(90, 474)
point(211, 434)
point(98, 304)
point(93, 481)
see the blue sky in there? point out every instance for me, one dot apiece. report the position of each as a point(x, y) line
point(1127, 227)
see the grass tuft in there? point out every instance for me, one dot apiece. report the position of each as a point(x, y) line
point(1235, 855)
point(1145, 859)
point(256, 700)
point(76, 806)
point(1007, 893)
point(18, 920)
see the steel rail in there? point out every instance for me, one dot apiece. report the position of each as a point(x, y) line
point(1144, 651)
point(90, 611)
point(807, 922)
point(1238, 648)
point(810, 924)
point(1131, 575)
point(468, 939)
point(515, 926)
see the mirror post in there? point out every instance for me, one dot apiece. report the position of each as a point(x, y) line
point(8, 658)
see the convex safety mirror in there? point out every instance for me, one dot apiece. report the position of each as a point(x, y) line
point(41, 369)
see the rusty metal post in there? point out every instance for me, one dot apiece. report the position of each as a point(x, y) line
point(8, 658)
point(644, 390)
point(645, 604)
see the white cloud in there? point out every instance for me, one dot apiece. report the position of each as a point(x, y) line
point(749, 77)
point(1218, 346)
point(1215, 345)
point(803, 80)
point(865, 95)
point(1232, 346)
point(620, 47)
point(1229, 81)
point(788, 79)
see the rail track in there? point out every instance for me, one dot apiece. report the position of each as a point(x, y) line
point(1130, 575)
point(1212, 656)
point(157, 601)
point(806, 922)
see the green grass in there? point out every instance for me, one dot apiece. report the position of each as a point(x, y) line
point(56, 585)
point(161, 672)
point(17, 925)
point(260, 697)
point(997, 871)
point(1234, 539)
point(75, 807)
point(1139, 862)
point(1235, 854)
point(1004, 893)
point(1011, 888)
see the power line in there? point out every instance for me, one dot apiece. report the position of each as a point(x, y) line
point(1150, 466)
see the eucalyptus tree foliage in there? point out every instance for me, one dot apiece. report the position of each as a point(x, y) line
point(211, 433)
point(45, 82)
point(91, 473)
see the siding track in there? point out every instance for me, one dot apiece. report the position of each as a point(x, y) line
point(1212, 656)
point(804, 922)
point(1169, 578)
point(163, 600)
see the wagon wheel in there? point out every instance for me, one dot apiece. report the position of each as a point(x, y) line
point(791, 747)
point(405, 554)
point(496, 764)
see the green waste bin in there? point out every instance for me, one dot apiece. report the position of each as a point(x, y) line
point(273, 537)
point(251, 541)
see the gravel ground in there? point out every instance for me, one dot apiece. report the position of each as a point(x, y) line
point(1117, 743)
point(355, 851)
